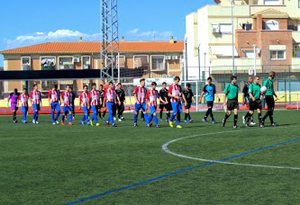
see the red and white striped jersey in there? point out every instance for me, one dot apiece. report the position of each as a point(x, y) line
point(66, 97)
point(152, 96)
point(23, 98)
point(175, 90)
point(110, 95)
point(53, 95)
point(94, 97)
point(35, 97)
point(84, 99)
point(140, 94)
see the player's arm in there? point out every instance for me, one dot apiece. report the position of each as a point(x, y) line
point(183, 97)
point(250, 92)
point(245, 91)
point(135, 95)
point(49, 95)
point(118, 99)
point(225, 95)
point(40, 99)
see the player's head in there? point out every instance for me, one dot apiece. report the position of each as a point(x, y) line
point(209, 80)
point(68, 88)
point(142, 82)
point(176, 80)
point(71, 89)
point(100, 87)
point(153, 85)
point(188, 86)
point(256, 79)
point(15, 90)
point(233, 79)
point(164, 85)
point(119, 85)
point(85, 88)
point(272, 75)
point(55, 87)
point(94, 86)
point(250, 80)
point(111, 85)
point(35, 87)
point(24, 90)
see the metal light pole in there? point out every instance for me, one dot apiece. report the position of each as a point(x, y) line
point(232, 27)
point(199, 61)
point(254, 48)
point(185, 59)
point(204, 63)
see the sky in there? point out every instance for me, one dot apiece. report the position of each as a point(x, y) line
point(31, 22)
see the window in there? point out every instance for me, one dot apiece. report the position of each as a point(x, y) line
point(225, 28)
point(64, 83)
point(86, 61)
point(140, 61)
point(271, 2)
point(48, 84)
point(298, 3)
point(66, 63)
point(26, 62)
point(157, 62)
point(122, 61)
point(277, 55)
point(48, 63)
point(272, 25)
point(249, 54)
point(297, 52)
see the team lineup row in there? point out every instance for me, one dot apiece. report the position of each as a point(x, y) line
point(111, 98)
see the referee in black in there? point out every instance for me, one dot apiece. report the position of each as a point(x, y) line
point(120, 107)
point(164, 102)
point(246, 100)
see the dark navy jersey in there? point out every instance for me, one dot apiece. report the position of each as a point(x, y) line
point(163, 93)
point(121, 94)
point(210, 91)
point(188, 94)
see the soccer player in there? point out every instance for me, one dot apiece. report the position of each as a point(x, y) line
point(175, 92)
point(111, 98)
point(54, 101)
point(120, 107)
point(209, 91)
point(101, 92)
point(269, 95)
point(73, 96)
point(94, 101)
point(189, 96)
point(84, 102)
point(13, 98)
point(232, 93)
point(164, 102)
point(246, 100)
point(140, 99)
point(67, 105)
point(152, 96)
point(36, 101)
point(255, 101)
point(23, 99)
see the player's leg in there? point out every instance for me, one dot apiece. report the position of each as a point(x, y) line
point(168, 108)
point(179, 111)
point(259, 117)
point(58, 113)
point(272, 112)
point(136, 111)
point(14, 110)
point(70, 114)
point(95, 114)
point(52, 112)
point(207, 112)
point(211, 103)
point(24, 114)
point(236, 117)
point(63, 115)
point(144, 109)
point(73, 112)
point(122, 110)
point(228, 113)
point(161, 110)
point(153, 113)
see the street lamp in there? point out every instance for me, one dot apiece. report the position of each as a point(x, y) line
point(185, 58)
point(254, 48)
point(199, 61)
point(233, 49)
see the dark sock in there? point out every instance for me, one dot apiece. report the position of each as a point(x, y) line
point(207, 113)
point(226, 117)
point(104, 113)
point(251, 118)
point(185, 116)
point(247, 115)
point(160, 114)
point(235, 119)
point(259, 118)
point(266, 115)
point(211, 115)
point(178, 117)
point(168, 115)
point(14, 116)
point(189, 116)
point(271, 117)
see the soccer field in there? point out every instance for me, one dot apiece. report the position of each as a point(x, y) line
point(46, 164)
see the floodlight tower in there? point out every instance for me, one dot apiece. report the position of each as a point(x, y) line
point(110, 39)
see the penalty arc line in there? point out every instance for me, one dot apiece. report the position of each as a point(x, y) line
point(182, 170)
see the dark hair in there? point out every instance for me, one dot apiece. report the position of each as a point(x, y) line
point(153, 83)
point(25, 89)
point(141, 80)
point(272, 74)
point(177, 78)
point(164, 83)
point(34, 85)
point(71, 88)
point(110, 83)
point(55, 86)
point(188, 85)
point(16, 90)
point(233, 77)
point(209, 78)
point(85, 86)
point(119, 84)
point(94, 84)
point(101, 85)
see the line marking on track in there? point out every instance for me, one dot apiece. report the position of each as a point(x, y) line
point(210, 162)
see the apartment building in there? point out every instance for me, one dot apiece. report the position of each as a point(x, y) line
point(266, 35)
point(151, 59)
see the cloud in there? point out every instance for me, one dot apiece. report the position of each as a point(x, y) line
point(146, 35)
point(58, 35)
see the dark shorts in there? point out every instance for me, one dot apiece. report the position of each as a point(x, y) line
point(232, 105)
point(270, 101)
point(188, 106)
point(168, 106)
point(210, 104)
point(254, 105)
point(14, 106)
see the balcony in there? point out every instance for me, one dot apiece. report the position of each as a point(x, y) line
point(66, 67)
point(241, 64)
point(26, 67)
point(85, 67)
point(48, 67)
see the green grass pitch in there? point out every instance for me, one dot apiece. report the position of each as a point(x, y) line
point(46, 164)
